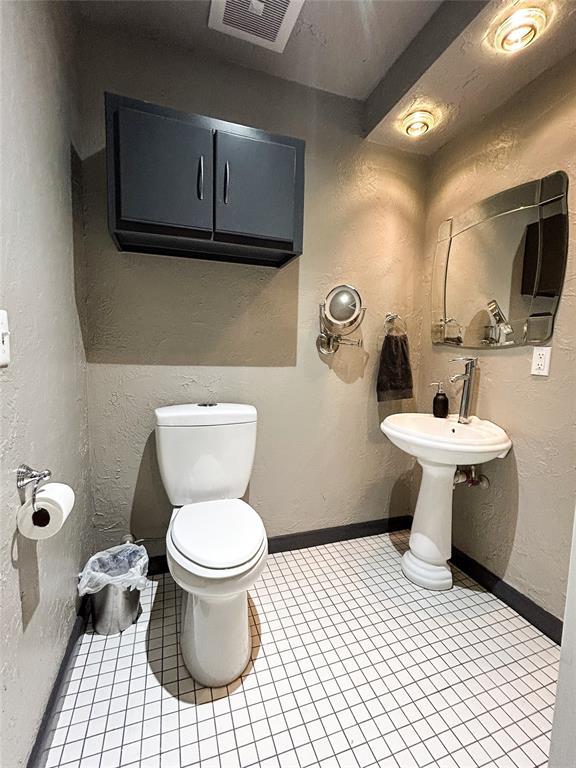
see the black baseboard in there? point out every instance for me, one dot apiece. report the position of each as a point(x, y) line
point(305, 539)
point(78, 629)
point(157, 565)
point(548, 624)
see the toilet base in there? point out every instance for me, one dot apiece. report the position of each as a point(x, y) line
point(215, 639)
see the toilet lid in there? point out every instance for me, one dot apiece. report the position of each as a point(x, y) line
point(218, 534)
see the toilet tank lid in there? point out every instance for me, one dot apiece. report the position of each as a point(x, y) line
point(204, 414)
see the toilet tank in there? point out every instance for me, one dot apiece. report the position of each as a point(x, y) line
point(205, 450)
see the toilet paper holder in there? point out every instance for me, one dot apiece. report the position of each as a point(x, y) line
point(26, 475)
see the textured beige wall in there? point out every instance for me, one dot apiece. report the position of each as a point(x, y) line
point(168, 330)
point(521, 528)
point(43, 418)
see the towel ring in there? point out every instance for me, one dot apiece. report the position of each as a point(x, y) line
point(390, 322)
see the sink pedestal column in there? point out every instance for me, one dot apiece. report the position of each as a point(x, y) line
point(425, 563)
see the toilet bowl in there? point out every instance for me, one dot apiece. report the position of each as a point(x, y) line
point(216, 543)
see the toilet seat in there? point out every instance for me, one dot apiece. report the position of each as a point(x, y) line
point(217, 538)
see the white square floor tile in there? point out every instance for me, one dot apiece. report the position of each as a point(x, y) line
point(352, 667)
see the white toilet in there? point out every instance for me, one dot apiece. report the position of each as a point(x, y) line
point(216, 544)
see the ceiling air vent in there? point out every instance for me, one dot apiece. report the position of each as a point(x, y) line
point(267, 23)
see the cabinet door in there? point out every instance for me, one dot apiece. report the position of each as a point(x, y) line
point(165, 171)
point(255, 189)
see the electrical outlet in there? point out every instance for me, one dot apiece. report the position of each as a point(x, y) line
point(541, 361)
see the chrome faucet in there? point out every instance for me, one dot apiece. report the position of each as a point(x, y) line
point(502, 328)
point(468, 377)
point(499, 317)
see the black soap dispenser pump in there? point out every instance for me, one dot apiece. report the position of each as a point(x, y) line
point(440, 402)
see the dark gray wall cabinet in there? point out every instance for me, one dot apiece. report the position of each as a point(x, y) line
point(187, 185)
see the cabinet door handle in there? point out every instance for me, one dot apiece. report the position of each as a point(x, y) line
point(226, 182)
point(200, 180)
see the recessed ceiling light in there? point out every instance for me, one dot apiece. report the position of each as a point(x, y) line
point(418, 123)
point(520, 29)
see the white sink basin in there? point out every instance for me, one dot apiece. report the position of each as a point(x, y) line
point(439, 445)
point(445, 441)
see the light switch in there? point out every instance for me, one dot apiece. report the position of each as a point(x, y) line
point(4, 339)
point(541, 361)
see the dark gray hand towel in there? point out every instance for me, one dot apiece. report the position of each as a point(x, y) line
point(394, 373)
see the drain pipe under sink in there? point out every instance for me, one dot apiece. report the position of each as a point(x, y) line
point(471, 477)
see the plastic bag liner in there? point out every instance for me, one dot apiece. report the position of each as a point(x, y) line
point(123, 566)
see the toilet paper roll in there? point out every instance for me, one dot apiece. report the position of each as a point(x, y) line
point(54, 502)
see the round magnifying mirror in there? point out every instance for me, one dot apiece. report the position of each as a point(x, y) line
point(343, 306)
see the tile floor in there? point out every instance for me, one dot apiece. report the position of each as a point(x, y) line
point(353, 666)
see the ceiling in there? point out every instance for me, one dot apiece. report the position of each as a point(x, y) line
point(393, 55)
point(341, 46)
point(470, 79)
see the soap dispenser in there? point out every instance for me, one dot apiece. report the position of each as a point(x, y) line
point(440, 402)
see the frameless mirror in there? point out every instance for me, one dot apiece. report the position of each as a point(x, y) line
point(499, 268)
point(340, 314)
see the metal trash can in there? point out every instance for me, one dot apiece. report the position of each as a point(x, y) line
point(114, 609)
point(113, 579)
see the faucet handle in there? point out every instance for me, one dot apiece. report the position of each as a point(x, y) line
point(464, 360)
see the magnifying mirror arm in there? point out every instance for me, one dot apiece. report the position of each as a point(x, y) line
point(350, 342)
point(329, 342)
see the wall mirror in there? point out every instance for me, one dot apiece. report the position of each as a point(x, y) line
point(499, 268)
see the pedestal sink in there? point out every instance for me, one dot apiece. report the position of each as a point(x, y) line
point(439, 445)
